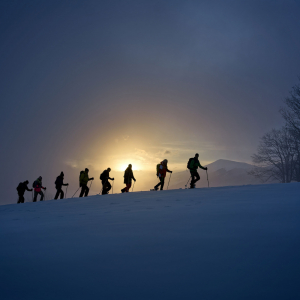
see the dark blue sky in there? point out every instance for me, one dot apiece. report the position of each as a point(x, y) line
point(105, 83)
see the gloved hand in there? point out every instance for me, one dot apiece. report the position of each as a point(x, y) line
point(134, 180)
point(92, 178)
point(206, 168)
point(67, 184)
point(171, 172)
point(45, 188)
point(113, 179)
point(31, 190)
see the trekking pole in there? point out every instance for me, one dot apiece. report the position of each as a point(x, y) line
point(75, 192)
point(133, 186)
point(188, 182)
point(169, 181)
point(207, 178)
point(113, 187)
point(32, 195)
point(66, 192)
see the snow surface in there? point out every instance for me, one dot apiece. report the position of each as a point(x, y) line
point(218, 243)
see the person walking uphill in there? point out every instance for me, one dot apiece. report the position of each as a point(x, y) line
point(161, 171)
point(193, 165)
point(22, 187)
point(59, 182)
point(83, 180)
point(37, 185)
point(128, 176)
point(104, 177)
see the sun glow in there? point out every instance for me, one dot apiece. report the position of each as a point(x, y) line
point(124, 166)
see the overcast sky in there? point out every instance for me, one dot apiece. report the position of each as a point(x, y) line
point(107, 83)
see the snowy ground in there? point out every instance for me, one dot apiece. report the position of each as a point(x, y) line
point(218, 243)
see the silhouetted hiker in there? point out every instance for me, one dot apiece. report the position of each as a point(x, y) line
point(104, 177)
point(128, 176)
point(193, 165)
point(161, 171)
point(59, 182)
point(83, 180)
point(37, 185)
point(22, 187)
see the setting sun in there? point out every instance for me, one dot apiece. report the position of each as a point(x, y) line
point(123, 166)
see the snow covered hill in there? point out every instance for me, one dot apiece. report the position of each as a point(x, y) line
point(220, 173)
point(218, 243)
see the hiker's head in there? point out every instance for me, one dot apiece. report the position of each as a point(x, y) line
point(86, 170)
point(196, 155)
point(108, 169)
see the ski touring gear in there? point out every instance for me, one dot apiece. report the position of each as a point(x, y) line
point(36, 193)
point(76, 192)
point(207, 177)
point(169, 181)
point(84, 190)
point(161, 183)
point(188, 182)
point(195, 177)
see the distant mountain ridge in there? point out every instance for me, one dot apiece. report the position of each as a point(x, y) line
point(228, 165)
point(222, 172)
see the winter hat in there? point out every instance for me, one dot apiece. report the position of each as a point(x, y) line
point(62, 174)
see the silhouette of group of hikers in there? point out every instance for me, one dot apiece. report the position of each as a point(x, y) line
point(161, 171)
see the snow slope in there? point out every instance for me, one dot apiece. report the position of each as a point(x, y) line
point(218, 243)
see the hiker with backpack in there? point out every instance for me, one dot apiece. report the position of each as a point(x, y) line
point(83, 181)
point(22, 187)
point(193, 165)
point(59, 182)
point(161, 171)
point(37, 185)
point(128, 176)
point(104, 177)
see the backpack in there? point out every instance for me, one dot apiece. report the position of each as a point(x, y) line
point(81, 172)
point(189, 163)
point(19, 188)
point(34, 184)
point(102, 176)
point(56, 181)
point(157, 169)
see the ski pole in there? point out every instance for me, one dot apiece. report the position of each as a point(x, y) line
point(66, 192)
point(133, 186)
point(188, 182)
point(75, 192)
point(169, 181)
point(207, 178)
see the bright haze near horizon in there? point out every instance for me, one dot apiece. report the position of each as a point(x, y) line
point(106, 83)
